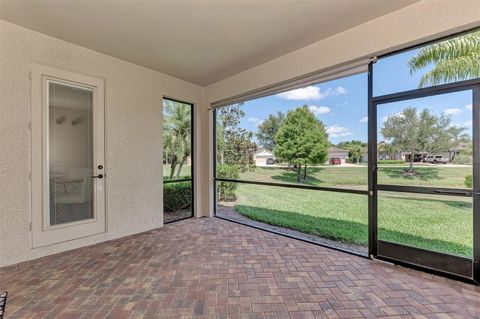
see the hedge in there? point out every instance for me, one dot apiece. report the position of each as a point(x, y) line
point(391, 162)
point(177, 196)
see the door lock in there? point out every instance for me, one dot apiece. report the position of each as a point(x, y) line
point(98, 176)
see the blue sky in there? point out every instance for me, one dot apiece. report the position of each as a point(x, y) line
point(342, 104)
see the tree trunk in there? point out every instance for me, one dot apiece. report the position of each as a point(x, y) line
point(411, 162)
point(305, 173)
point(299, 172)
point(173, 165)
point(181, 165)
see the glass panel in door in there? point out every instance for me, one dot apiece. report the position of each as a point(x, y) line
point(424, 175)
point(426, 142)
point(70, 153)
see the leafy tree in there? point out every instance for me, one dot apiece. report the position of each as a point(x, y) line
point(268, 129)
point(177, 132)
point(302, 139)
point(345, 144)
point(234, 144)
point(235, 149)
point(454, 60)
point(355, 152)
point(388, 148)
point(420, 132)
point(465, 156)
point(355, 149)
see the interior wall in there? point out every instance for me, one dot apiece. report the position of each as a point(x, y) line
point(133, 94)
point(64, 153)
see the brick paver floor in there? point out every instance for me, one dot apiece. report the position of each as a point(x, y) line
point(211, 268)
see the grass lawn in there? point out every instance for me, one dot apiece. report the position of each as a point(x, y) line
point(356, 177)
point(440, 223)
point(184, 173)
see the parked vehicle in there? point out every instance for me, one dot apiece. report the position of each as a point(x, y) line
point(335, 161)
point(435, 159)
point(270, 161)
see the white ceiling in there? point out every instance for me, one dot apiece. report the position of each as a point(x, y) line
point(201, 41)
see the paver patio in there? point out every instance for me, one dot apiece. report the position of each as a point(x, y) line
point(211, 268)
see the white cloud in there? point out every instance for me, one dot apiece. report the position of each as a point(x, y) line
point(255, 121)
point(306, 93)
point(452, 111)
point(399, 114)
point(467, 124)
point(338, 131)
point(340, 90)
point(317, 110)
point(364, 119)
point(468, 106)
point(311, 93)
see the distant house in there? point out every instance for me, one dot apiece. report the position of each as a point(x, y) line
point(418, 156)
point(264, 158)
point(337, 152)
point(384, 154)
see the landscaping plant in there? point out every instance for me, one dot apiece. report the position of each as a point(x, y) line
point(302, 140)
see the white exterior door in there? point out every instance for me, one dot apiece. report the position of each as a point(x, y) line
point(68, 143)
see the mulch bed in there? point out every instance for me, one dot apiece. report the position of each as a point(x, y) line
point(173, 216)
point(228, 211)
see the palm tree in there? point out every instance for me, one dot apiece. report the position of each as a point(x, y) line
point(454, 60)
point(177, 134)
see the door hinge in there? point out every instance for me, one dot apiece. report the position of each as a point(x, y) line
point(30, 75)
point(30, 226)
point(30, 176)
point(30, 125)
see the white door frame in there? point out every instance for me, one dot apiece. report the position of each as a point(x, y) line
point(42, 232)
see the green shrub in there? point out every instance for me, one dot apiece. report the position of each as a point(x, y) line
point(464, 159)
point(177, 196)
point(226, 190)
point(469, 181)
point(391, 162)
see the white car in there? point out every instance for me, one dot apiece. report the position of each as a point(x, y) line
point(435, 159)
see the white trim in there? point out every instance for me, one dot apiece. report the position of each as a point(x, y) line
point(42, 232)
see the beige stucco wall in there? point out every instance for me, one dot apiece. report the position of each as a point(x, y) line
point(133, 138)
point(421, 21)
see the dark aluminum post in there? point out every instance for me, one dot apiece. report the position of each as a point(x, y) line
point(192, 156)
point(372, 164)
point(214, 151)
point(476, 183)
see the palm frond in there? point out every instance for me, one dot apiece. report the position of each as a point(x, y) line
point(445, 50)
point(460, 68)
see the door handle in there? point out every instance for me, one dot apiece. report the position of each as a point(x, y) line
point(98, 176)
